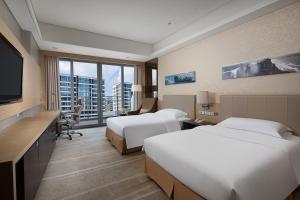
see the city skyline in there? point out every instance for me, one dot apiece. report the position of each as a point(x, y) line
point(111, 74)
point(87, 88)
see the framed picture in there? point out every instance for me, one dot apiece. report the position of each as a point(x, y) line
point(189, 77)
point(267, 66)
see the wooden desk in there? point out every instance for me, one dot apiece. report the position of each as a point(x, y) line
point(20, 145)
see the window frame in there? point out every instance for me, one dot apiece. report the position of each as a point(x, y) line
point(99, 85)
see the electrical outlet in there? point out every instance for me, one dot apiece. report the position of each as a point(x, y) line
point(208, 113)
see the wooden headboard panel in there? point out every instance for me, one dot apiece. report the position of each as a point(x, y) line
point(186, 103)
point(280, 108)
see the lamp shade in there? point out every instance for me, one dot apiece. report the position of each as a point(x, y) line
point(202, 97)
point(136, 88)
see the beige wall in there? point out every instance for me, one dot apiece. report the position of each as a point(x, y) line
point(31, 79)
point(275, 34)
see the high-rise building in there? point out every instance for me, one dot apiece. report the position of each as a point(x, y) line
point(117, 101)
point(87, 88)
point(84, 87)
point(108, 104)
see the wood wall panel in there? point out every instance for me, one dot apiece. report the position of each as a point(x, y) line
point(256, 106)
point(293, 110)
point(281, 108)
point(276, 108)
point(31, 79)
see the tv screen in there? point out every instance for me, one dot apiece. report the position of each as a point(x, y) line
point(11, 72)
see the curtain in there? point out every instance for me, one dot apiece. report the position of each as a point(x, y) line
point(52, 83)
point(139, 71)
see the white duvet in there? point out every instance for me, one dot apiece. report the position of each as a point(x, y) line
point(222, 163)
point(136, 128)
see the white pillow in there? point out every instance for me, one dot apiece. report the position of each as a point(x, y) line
point(271, 128)
point(172, 113)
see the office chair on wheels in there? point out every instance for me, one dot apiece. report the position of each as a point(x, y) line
point(69, 120)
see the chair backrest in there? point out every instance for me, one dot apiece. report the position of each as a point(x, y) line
point(149, 105)
point(78, 109)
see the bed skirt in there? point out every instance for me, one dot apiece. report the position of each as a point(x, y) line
point(173, 187)
point(119, 142)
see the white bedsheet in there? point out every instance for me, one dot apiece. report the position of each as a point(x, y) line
point(292, 138)
point(135, 129)
point(221, 163)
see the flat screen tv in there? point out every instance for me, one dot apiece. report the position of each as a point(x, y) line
point(11, 72)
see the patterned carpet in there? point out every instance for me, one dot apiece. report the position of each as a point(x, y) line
point(89, 168)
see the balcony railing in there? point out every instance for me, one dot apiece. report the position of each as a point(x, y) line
point(111, 107)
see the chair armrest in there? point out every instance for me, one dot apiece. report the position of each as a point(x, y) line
point(66, 115)
point(136, 112)
point(69, 116)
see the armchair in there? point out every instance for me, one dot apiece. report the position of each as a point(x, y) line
point(148, 105)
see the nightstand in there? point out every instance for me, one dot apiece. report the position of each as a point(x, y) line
point(189, 124)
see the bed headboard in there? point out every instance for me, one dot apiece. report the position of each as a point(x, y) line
point(186, 103)
point(281, 108)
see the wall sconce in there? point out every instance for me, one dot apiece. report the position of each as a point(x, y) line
point(202, 99)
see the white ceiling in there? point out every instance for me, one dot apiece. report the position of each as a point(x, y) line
point(139, 20)
point(132, 29)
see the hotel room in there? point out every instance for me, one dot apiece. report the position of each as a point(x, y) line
point(150, 100)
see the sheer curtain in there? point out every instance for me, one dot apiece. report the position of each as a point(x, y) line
point(52, 83)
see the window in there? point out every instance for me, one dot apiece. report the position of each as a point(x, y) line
point(65, 85)
point(112, 98)
point(154, 77)
point(128, 82)
point(104, 88)
point(116, 96)
point(86, 84)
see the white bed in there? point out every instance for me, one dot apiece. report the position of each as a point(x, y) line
point(135, 129)
point(222, 163)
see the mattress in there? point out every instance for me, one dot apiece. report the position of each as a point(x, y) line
point(136, 128)
point(220, 163)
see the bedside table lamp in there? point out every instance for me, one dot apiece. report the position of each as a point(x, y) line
point(202, 98)
point(136, 88)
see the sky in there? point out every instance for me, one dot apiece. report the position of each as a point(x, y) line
point(111, 73)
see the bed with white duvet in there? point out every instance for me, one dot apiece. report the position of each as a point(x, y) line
point(135, 129)
point(237, 159)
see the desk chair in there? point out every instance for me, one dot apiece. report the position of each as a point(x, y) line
point(69, 120)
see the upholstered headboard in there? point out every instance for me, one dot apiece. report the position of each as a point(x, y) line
point(281, 108)
point(186, 103)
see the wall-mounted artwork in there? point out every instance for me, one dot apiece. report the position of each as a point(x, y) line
point(189, 77)
point(268, 66)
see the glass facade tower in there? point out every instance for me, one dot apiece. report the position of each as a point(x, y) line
point(84, 87)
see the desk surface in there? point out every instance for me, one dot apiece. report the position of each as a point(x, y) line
point(15, 140)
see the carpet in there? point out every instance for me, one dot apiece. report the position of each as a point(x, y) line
point(90, 168)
